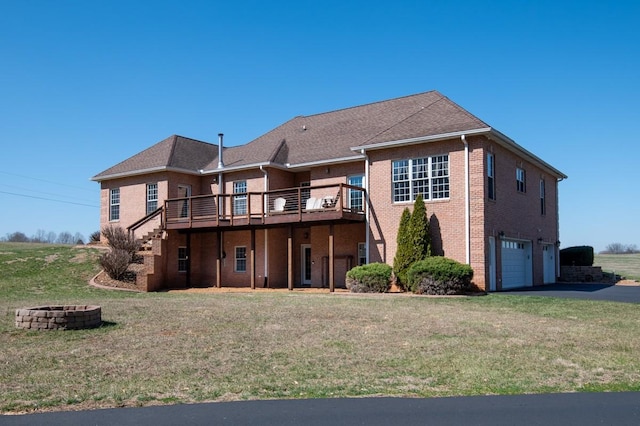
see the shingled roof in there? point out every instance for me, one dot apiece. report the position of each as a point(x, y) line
point(306, 140)
point(173, 153)
point(331, 136)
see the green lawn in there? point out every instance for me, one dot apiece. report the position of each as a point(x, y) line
point(626, 265)
point(183, 347)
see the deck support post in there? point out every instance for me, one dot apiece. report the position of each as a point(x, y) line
point(188, 260)
point(219, 262)
point(332, 282)
point(290, 258)
point(252, 259)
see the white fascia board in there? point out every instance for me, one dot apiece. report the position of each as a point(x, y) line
point(226, 169)
point(511, 145)
point(421, 139)
point(144, 172)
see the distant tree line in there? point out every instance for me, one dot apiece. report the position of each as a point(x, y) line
point(618, 248)
point(42, 236)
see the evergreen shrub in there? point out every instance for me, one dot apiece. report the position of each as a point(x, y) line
point(577, 256)
point(370, 278)
point(439, 276)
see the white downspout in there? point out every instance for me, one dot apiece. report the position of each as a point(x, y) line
point(220, 175)
point(266, 231)
point(366, 203)
point(467, 213)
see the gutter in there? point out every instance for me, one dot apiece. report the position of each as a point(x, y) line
point(158, 169)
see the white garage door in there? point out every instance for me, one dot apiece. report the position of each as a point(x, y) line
point(516, 264)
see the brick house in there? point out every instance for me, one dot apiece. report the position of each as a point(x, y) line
point(319, 194)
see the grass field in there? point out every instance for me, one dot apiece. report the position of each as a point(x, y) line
point(166, 348)
point(626, 265)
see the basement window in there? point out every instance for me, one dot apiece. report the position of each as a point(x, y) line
point(241, 259)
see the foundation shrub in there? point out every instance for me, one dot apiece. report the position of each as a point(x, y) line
point(439, 275)
point(115, 263)
point(370, 278)
point(119, 239)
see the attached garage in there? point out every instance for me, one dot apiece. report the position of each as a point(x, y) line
point(516, 264)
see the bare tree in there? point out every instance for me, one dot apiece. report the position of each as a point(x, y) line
point(78, 239)
point(618, 248)
point(51, 237)
point(65, 238)
point(39, 237)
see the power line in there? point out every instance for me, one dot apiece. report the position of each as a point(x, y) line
point(48, 199)
point(45, 180)
point(12, 187)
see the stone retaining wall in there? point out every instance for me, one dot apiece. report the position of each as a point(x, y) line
point(71, 317)
point(581, 274)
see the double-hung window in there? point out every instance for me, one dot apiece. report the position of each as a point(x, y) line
point(491, 179)
point(114, 204)
point(182, 259)
point(356, 198)
point(521, 180)
point(427, 176)
point(543, 204)
point(152, 197)
point(240, 259)
point(362, 254)
point(240, 201)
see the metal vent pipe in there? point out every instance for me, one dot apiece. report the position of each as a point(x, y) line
point(220, 162)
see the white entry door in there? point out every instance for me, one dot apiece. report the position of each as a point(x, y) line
point(549, 263)
point(305, 264)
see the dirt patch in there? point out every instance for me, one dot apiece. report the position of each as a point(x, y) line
point(628, 283)
point(79, 258)
point(51, 258)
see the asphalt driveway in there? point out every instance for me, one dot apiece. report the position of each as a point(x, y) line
point(581, 409)
point(589, 291)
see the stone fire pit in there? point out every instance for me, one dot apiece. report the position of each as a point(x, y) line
point(67, 317)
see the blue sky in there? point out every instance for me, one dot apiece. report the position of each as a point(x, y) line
point(86, 84)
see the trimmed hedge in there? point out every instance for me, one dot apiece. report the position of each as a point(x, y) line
point(576, 256)
point(439, 276)
point(370, 278)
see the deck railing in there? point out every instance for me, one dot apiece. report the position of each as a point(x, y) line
point(288, 205)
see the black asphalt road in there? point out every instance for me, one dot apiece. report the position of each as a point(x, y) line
point(609, 292)
point(582, 409)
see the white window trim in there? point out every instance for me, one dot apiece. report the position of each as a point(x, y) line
point(491, 176)
point(429, 178)
point(236, 259)
point(359, 197)
point(112, 205)
point(521, 180)
point(240, 200)
point(152, 200)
